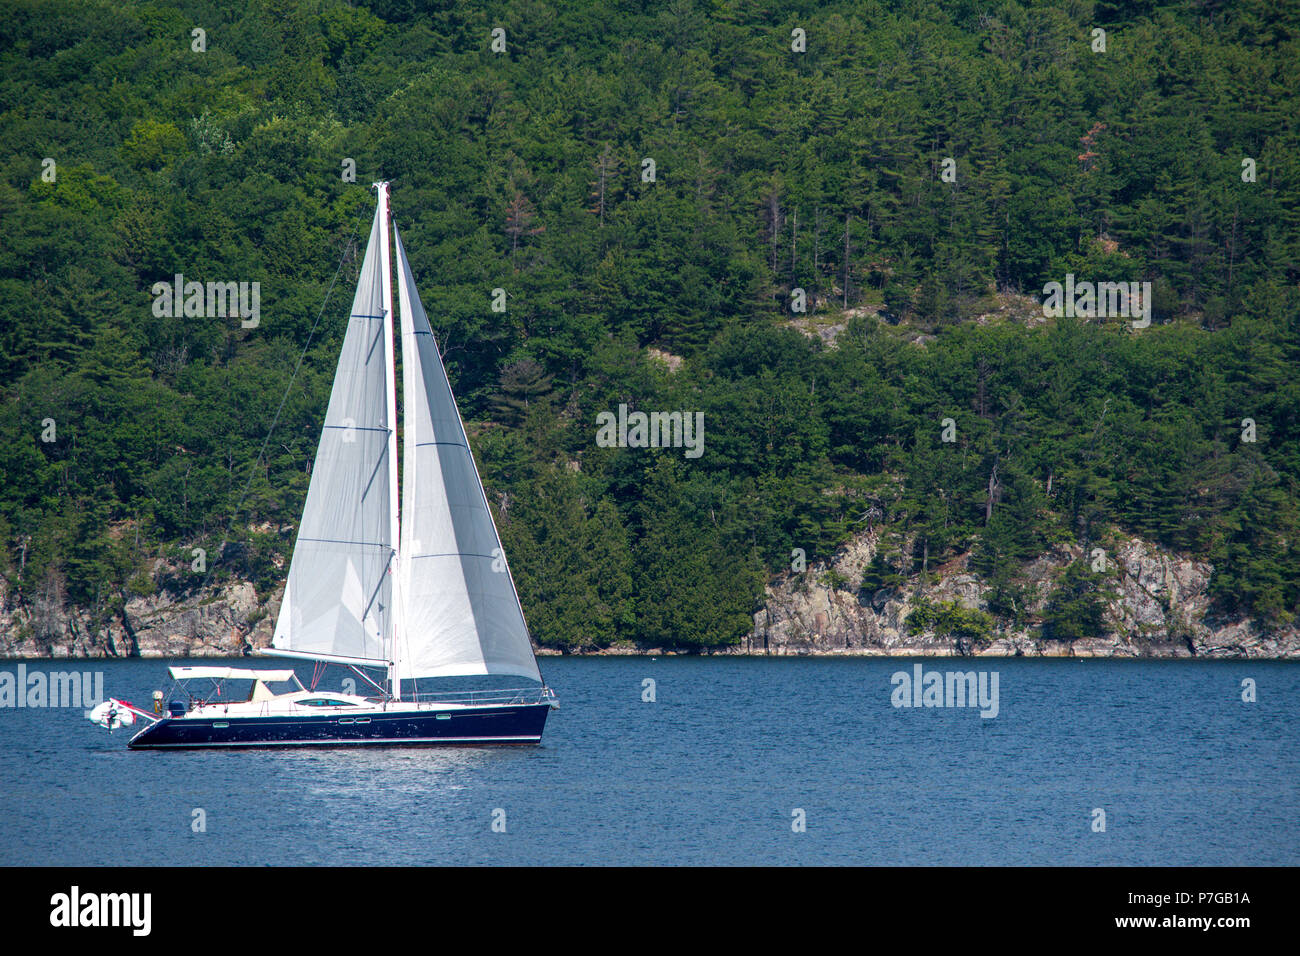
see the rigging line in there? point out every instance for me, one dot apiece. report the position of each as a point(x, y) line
point(352, 241)
point(366, 613)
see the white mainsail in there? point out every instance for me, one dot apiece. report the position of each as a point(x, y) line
point(460, 611)
point(339, 600)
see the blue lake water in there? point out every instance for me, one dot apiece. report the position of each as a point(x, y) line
point(709, 773)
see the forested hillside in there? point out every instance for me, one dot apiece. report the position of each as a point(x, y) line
point(649, 182)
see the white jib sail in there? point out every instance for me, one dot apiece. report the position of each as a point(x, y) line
point(338, 600)
point(460, 611)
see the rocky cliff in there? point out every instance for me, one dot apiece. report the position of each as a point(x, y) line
point(1159, 606)
point(224, 621)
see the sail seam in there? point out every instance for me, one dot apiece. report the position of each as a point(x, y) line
point(363, 544)
point(453, 554)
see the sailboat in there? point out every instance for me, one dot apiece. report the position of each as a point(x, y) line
point(415, 593)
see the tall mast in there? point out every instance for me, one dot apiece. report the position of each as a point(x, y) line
point(390, 396)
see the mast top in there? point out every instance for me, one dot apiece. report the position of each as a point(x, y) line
point(381, 188)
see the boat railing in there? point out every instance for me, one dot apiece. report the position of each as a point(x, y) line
point(513, 695)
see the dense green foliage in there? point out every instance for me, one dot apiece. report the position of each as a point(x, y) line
point(1074, 608)
point(949, 619)
point(774, 170)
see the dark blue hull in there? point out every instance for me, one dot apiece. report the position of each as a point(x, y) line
point(506, 724)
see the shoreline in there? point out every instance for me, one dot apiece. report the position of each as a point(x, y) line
point(1063, 653)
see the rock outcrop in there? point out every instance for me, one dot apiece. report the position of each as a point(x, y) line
point(1159, 606)
point(224, 621)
